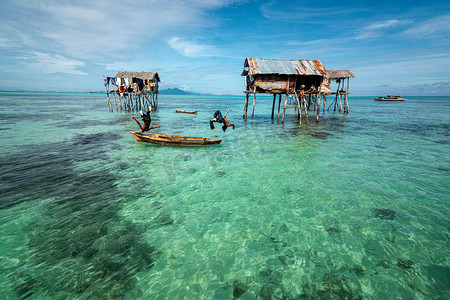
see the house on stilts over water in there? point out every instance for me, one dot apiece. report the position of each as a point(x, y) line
point(303, 82)
point(132, 91)
point(339, 76)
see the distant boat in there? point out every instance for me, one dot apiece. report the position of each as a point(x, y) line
point(173, 140)
point(390, 98)
point(186, 111)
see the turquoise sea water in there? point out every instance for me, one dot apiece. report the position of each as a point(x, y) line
point(354, 206)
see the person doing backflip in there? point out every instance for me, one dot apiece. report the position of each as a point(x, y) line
point(220, 119)
point(147, 119)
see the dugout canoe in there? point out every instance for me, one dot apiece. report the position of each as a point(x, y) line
point(186, 111)
point(173, 140)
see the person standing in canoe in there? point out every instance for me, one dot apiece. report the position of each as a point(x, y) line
point(147, 119)
point(220, 119)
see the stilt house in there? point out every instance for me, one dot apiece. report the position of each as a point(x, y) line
point(134, 90)
point(303, 81)
point(341, 100)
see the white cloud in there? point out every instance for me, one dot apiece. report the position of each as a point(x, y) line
point(52, 63)
point(388, 23)
point(6, 43)
point(293, 12)
point(192, 49)
point(90, 30)
point(434, 29)
point(377, 29)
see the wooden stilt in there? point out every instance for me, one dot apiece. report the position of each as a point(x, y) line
point(279, 104)
point(287, 98)
point(306, 109)
point(318, 106)
point(142, 102)
point(254, 100)
point(346, 94)
point(337, 95)
point(109, 102)
point(244, 115)
point(148, 102)
point(284, 109)
point(299, 108)
point(319, 98)
point(273, 105)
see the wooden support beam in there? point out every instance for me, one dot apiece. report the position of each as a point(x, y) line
point(299, 113)
point(284, 109)
point(318, 106)
point(273, 105)
point(346, 94)
point(141, 100)
point(109, 102)
point(279, 104)
point(244, 115)
point(254, 100)
point(319, 98)
point(148, 102)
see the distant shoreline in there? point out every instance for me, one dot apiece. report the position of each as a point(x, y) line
point(171, 92)
point(188, 94)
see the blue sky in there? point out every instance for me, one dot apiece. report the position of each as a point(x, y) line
point(393, 47)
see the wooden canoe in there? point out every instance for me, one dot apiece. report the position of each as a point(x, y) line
point(186, 111)
point(173, 140)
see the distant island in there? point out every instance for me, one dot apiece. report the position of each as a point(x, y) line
point(170, 91)
point(176, 91)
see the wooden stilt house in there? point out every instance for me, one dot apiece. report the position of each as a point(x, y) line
point(298, 79)
point(341, 100)
point(134, 90)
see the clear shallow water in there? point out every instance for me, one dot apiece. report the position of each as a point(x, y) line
point(355, 206)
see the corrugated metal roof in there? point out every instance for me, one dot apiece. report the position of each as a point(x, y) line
point(336, 74)
point(140, 75)
point(285, 67)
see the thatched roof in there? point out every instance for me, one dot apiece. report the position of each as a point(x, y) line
point(339, 74)
point(258, 66)
point(140, 75)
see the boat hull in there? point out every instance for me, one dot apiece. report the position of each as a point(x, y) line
point(389, 99)
point(186, 111)
point(173, 140)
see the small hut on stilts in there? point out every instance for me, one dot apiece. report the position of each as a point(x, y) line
point(288, 78)
point(303, 81)
point(134, 91)
point(341, 100)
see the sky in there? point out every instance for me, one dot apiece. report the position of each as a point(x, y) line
point(393, 47)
